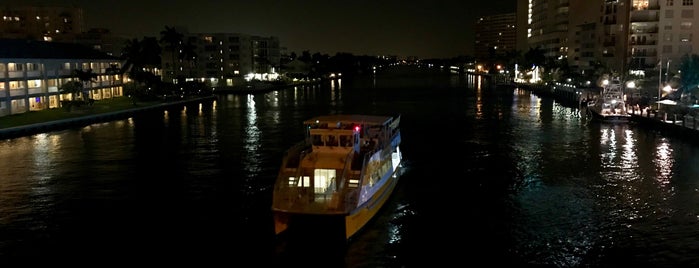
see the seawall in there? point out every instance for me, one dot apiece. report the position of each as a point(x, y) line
point(31, 129)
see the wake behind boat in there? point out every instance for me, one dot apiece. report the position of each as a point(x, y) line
point(341, 174)
point(610, 106)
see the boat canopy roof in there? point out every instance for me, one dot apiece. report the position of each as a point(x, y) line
point(350, 119)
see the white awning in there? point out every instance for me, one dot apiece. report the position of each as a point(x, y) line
point(667, 102)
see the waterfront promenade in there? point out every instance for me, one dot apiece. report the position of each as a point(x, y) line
point(29, 123)
point(684, 125)
point(18, 125)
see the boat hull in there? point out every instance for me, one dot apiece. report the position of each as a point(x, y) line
point(610, 107)
point(359, 217)
point(610, 118)
point(347, 224)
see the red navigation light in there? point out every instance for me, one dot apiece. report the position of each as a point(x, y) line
point(356, 128)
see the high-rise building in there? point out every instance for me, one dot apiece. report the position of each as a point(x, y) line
point(41, 23)
point(495, 36)
point(643, 38)
point(548, 27)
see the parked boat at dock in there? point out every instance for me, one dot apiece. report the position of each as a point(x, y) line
point(610, 105)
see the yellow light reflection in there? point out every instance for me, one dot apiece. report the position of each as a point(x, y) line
point(619, 153)
point(664, 162)
point(629, 159)
point(608, 139)
point(252, 138)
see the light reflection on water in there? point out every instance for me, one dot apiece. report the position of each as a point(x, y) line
point(252, 140)
point(501, 177)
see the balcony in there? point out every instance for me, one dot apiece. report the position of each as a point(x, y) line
point(643, 43)
point(644, 16)
point(644, 30)
point(643, 54)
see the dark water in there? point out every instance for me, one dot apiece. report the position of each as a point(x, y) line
point(493, 177)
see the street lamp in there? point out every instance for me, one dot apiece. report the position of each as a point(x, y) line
point(660, 80)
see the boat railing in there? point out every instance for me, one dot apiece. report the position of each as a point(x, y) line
point(341, 187)
point(353, 196)
point(285, 196)
point(294, 155)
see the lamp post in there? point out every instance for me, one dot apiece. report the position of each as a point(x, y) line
point(631, 87)
point(660, 80)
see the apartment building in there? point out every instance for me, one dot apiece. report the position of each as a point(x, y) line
point(612, 34)
point(222, 59)
point(548, 26)
point(32, 72)
point(678, 28)
point(495, 35)
point(41, 23)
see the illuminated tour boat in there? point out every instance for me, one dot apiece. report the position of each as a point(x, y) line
point(339, 176)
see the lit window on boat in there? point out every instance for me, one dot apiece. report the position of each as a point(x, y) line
point(317, 140)
point(305, 181)
point(292, 180)
point(332, 141)
point(346, 140)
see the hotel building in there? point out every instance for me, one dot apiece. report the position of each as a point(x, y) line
point(32, 72)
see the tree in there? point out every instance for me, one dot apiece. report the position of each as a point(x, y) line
point(534, 57)
point(72, 88)
point(84, 76)
point(189, 55)
point(305, 56)
point(689, 74)
point(150, 53)
point(132, 53)
point(141, 58)
point(172, 39)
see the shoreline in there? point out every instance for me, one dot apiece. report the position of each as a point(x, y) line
point(81, 121)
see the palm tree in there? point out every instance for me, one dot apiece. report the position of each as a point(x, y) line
point(689, 74)
point(72, 88)
point(141, 56)
point(85, 76)
point(132, 53)
point(189, 55)
point(151, 50)
point(172, 39)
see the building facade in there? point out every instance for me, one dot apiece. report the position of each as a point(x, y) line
point(222, 59)
point(32, 73)
point(496, 36)
point(548, 26)
point(630, 36)
point(41, 23)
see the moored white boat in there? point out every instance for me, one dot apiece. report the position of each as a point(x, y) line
point(342, 173)
point(610, 106)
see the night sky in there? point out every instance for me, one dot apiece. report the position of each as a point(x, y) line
point(424, 29)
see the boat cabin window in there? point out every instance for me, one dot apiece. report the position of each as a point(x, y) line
point(317, 140)
point(346, 140)
point(304, 181)
point(331, 140)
